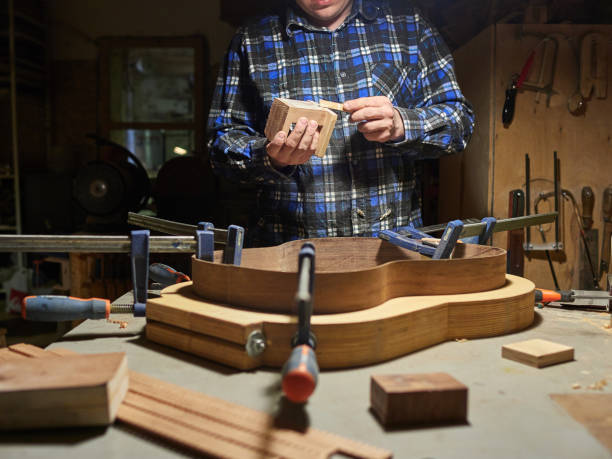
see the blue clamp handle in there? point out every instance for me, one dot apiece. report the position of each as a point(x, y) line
point(488, 231)
point(139, 258)
point(205, 247)
point(406, 243)
point(448, 240)
point(232, 253)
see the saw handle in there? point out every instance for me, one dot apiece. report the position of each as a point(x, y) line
point(588, 202)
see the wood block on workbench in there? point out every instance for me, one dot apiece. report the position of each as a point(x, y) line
point(81, 390)
point(538, 352)
point(284, 113)
point(409, 399)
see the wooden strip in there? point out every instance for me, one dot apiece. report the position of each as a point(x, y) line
point(28, 350)
point(6, 355)
point(266, 444)
point(332, 105)
point(181, 435)
point(244, 418)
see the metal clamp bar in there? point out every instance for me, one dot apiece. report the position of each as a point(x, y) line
point(169, 227)
point(97, 244)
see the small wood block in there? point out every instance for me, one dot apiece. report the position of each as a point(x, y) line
point(408, 399)
point(81, 390)
point(284, 113)
point(538, 352)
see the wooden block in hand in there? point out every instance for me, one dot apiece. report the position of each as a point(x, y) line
point(538, 352)
point(410, 399)
point(286, 112)
point(80, 390)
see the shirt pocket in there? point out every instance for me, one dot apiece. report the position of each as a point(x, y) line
point(392, 81)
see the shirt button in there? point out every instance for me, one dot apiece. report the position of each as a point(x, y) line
point(342, 74)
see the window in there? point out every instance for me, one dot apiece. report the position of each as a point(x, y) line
point(152, 97)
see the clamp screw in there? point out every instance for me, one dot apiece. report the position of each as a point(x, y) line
point(256, 343)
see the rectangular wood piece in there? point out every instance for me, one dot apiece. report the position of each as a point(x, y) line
point(538, 352)
point(80, 390)
point(409, 399)
point(284, 113)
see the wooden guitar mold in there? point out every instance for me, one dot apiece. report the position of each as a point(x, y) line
point(182, 320)
point(351, 274)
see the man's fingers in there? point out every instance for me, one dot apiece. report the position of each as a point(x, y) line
point(357, 104)
point(306, 140)
point(385, 124)
point(372, 113)
point(276, 144)
point(296, 134)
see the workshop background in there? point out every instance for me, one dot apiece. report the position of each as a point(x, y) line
point(86, 86)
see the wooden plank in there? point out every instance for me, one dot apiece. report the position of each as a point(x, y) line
point(61, 392)
point(538, 352)
point(352, 274)
point(309, 443)
point(430, 398)
point(394, 328)
point(594, 411)
point(284, 113)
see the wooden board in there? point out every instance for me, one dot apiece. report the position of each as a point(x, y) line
point(60, 392)
point(594, 411)
point(408, 399)
point(182, 320)
point(352, 273)
point(211, 426)
point(284, 113)
point(538, 352)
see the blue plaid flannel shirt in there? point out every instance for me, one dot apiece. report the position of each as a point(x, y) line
point(359, 187)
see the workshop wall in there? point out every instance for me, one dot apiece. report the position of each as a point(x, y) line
point(478, 181)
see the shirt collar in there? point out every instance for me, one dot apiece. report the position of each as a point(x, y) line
point(296, 19)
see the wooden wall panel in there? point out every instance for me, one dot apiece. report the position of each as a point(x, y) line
point(583, 142)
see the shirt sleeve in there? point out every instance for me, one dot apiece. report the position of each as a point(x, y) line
point(237, 150)
point(443, 121)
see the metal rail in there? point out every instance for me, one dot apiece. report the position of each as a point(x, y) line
point(507, 224)
point(100, 244)
point(169, 227)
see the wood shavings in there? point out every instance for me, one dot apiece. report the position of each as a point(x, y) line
point(576, 386)
point(462, 340)
point(599, 385)
point(122, 323)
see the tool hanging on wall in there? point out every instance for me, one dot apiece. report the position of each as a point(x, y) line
point(594, 65)
point(558, 225)
point(607, 231)
point(516, 208)
point(589, 278)
point(544, 56)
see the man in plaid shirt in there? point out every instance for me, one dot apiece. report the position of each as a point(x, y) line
point(395, 78)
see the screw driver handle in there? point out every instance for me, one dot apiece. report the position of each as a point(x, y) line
point(165, 275)
point(57, 308)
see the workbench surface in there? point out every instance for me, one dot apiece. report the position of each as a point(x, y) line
point(510, 412)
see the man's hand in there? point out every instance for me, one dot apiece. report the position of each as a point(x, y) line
point(297, 147)
point(377, 119)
